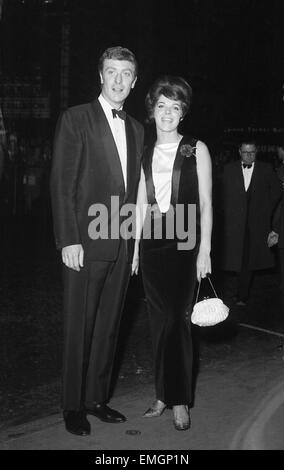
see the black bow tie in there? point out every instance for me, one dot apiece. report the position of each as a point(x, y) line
point(120, 113)
point(246, 165)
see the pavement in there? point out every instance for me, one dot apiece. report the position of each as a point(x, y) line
point(239, 405)
point(239, 371)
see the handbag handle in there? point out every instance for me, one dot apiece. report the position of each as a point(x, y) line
point(199, 284)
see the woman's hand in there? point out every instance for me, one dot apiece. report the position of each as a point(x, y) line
point(203, 264)
point(135, 265)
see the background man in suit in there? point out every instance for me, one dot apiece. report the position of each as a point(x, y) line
point(97, 154)
point(251, 191)
point(280, 168)
point(2, 158)
point(276, 236)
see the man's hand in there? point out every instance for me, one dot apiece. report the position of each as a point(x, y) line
point(272, 239)
point(73, 256)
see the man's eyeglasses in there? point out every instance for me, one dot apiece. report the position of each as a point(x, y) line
point(248, 153)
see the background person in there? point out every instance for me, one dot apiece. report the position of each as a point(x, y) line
point(251, 191)
point(280, 167)
point(276, 236)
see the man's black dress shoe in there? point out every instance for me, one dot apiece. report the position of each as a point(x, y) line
point(76, 422)
point(104, 413)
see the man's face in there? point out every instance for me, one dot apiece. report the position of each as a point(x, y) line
point(117, 79)
point(248, 153)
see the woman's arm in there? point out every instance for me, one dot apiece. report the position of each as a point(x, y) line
point(141, 204)
point(204, 174)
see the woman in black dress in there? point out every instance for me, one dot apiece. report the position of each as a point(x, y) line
point(175, 244)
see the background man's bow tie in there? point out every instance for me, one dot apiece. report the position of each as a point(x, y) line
point(120, 113)
point(245, 165)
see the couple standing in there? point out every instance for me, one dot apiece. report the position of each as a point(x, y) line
point(98, 150)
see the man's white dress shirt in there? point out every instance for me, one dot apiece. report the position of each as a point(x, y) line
point(247, 174)
point(117, 126)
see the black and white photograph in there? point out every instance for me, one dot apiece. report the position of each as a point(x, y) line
point(141, 228)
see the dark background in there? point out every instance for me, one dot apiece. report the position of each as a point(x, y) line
point(231, 51)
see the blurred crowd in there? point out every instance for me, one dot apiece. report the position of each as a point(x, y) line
point(24, 170)
point(25, 166)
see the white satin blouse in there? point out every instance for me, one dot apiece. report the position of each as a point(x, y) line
point(162, 170)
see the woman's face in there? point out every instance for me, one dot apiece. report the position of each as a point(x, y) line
point(167, 114)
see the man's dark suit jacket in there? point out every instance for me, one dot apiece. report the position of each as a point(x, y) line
point(86, 170)
point(265, 192)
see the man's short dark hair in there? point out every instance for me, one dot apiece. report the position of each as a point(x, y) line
point(118, 53)
point(248, 141)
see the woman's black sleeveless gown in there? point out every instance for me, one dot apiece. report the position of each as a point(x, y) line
point(169, 280)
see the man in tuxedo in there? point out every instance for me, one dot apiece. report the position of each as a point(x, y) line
point(97, 154)
point(251, 191)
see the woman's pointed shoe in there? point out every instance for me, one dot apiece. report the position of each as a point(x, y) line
point(155, 410)
point(182, 424)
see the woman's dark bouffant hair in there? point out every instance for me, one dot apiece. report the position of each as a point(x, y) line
point(174, 88)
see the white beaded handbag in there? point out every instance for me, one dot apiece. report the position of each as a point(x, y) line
point(210, 311)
